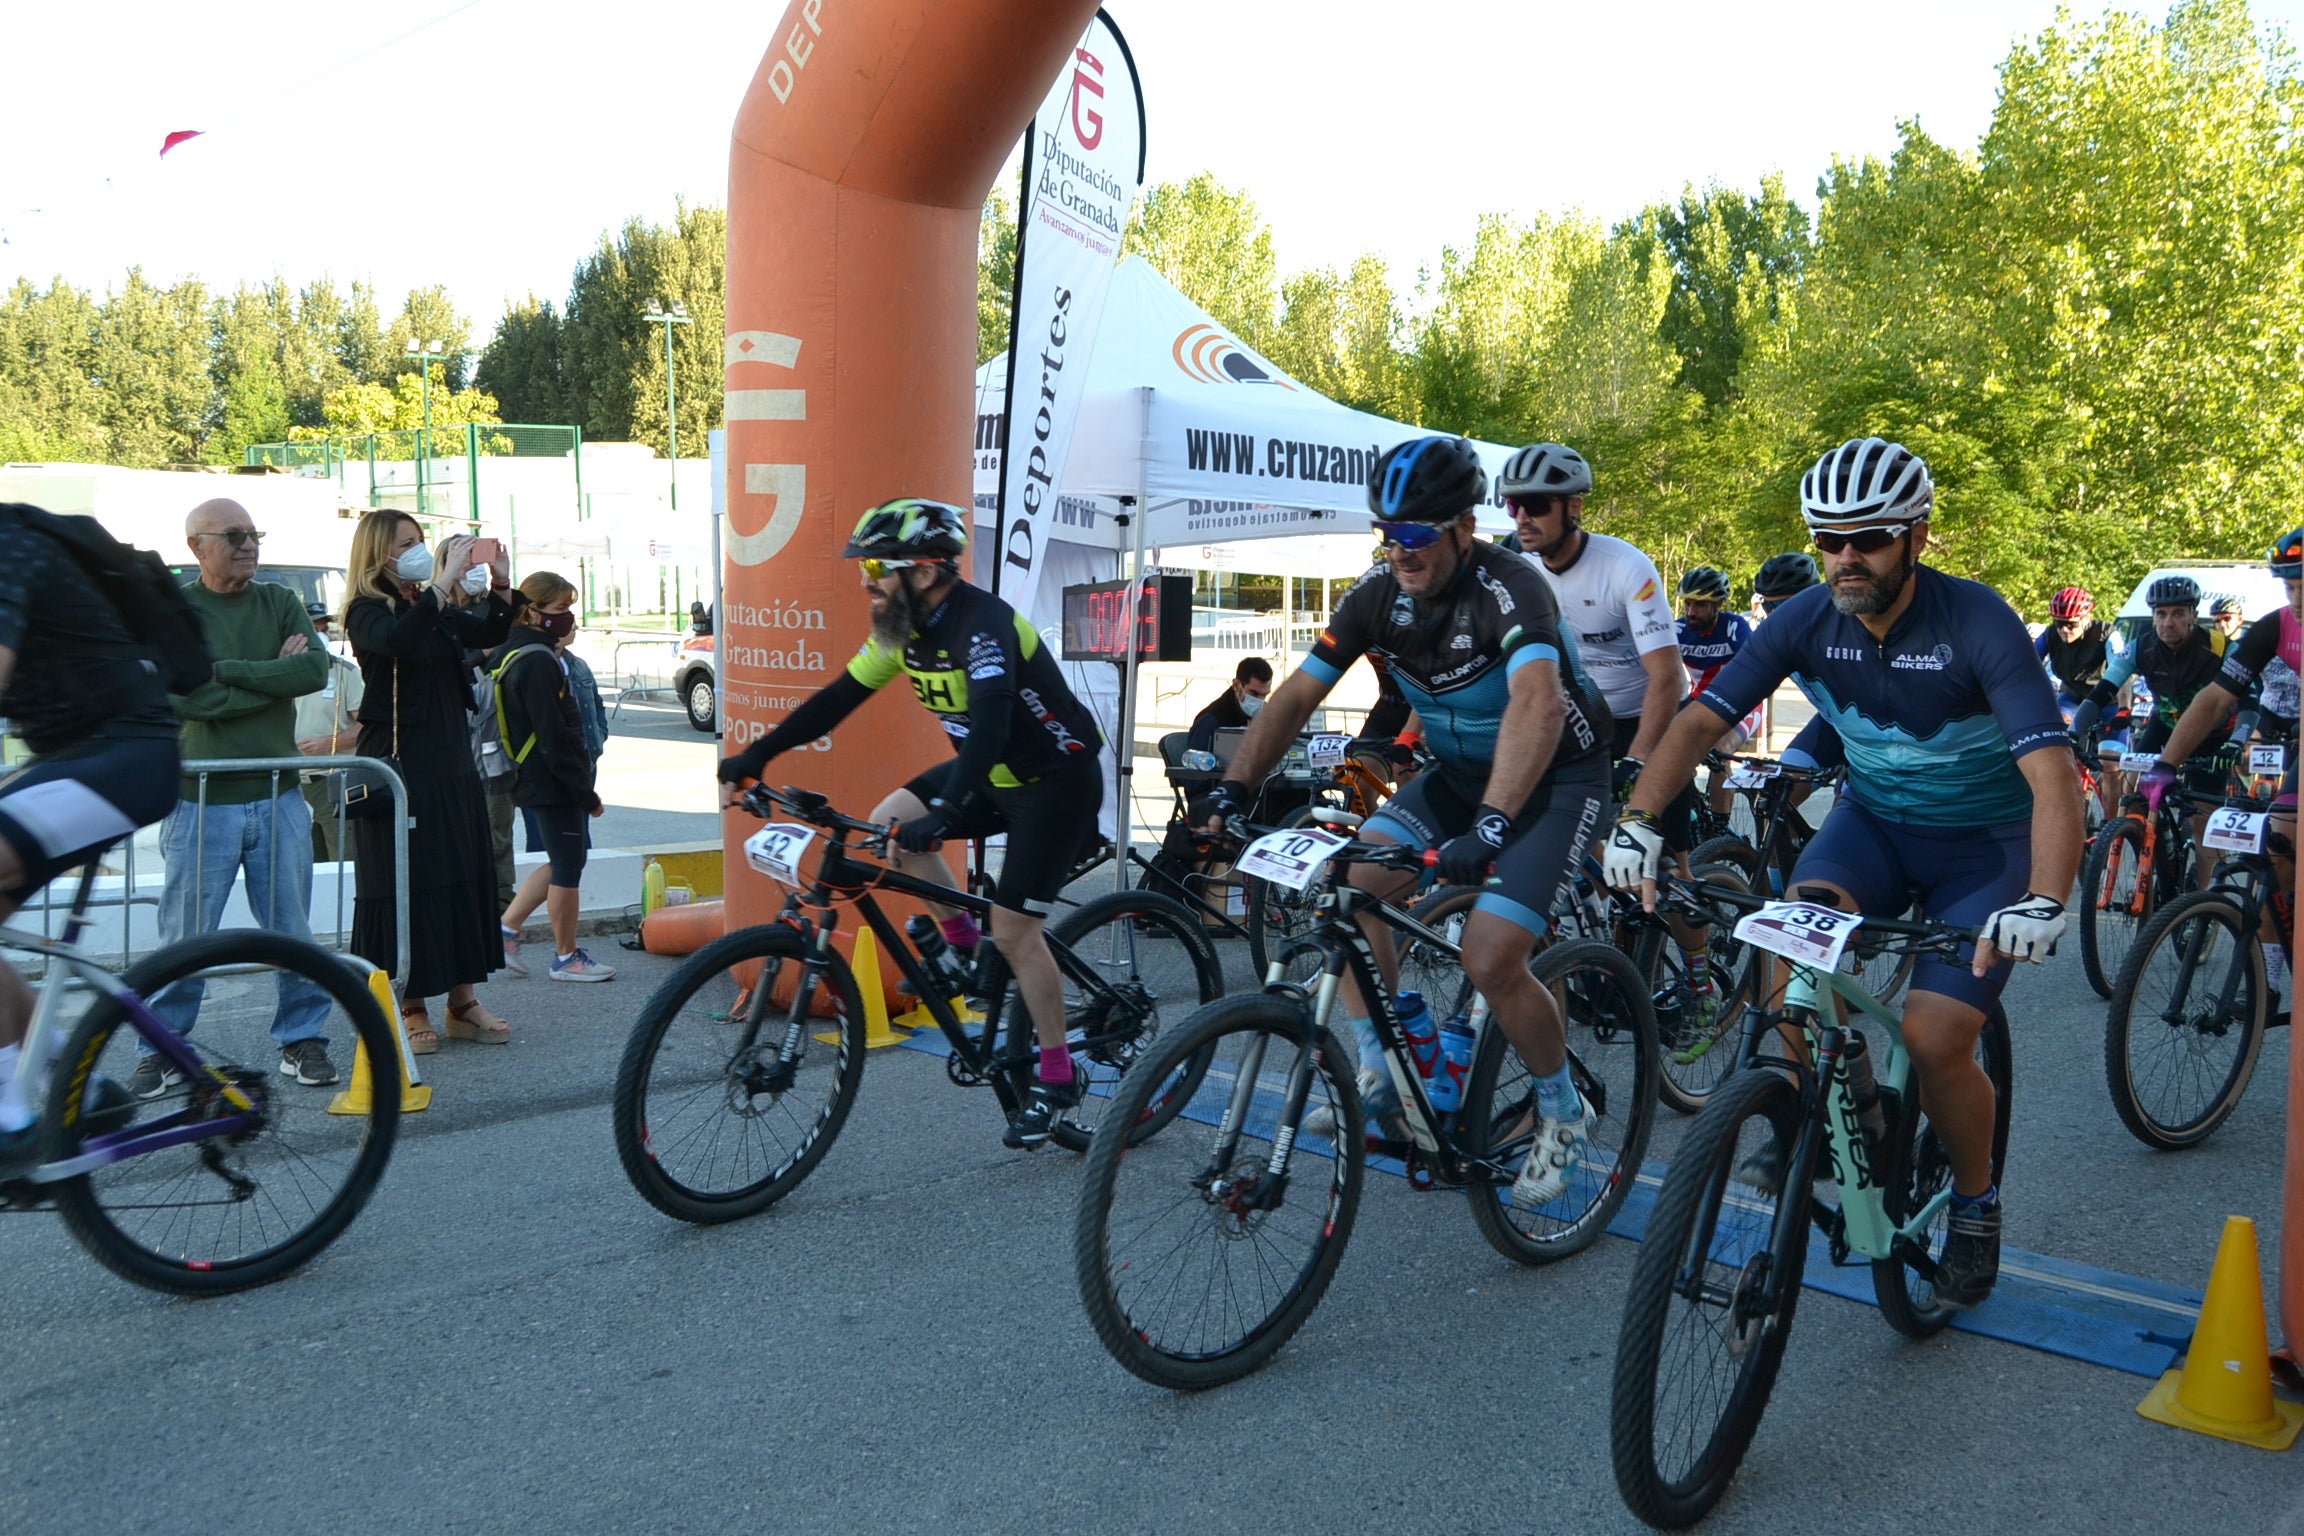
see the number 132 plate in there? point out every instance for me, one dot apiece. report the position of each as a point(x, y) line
point(1290, 858)
point(1800, 931)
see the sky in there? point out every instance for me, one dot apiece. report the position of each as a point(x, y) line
point(492, 148)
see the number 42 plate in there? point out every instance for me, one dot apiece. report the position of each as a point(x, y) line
point(1289, 858)
point(1800, 931)
point(776, 848)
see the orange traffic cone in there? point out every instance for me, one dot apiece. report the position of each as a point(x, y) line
point(2225, 1386)
point(359, 1095)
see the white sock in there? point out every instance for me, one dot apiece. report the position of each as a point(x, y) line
point(15, 1113)
point(564, 959)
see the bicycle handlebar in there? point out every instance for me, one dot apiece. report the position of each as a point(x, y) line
point(1705, 900)
point(816, 809)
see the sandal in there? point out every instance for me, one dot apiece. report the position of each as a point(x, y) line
point(416, 1024)
point(474, 1022)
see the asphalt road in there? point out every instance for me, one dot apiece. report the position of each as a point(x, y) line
point(509, 1340)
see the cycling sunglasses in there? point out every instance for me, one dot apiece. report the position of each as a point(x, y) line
point(1406, 535)
point(1869, 541)
point(879, 568)
point(236, 537)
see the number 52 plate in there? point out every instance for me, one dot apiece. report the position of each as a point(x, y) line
point(1289, 858)
point(1800, 931)
point(2235, 831)
point(775, 850)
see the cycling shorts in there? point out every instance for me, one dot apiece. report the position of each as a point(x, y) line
point(1535, 873)
point(1961, 874)
point(1050, 823)
point(65, 808)
point(2202, 777)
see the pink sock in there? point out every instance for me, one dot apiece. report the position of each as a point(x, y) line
point(1055, 1064)
point(960, 931)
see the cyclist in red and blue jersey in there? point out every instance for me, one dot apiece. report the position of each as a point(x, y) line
point(1521, 738)
point(1960, 785)
point(1710, 637)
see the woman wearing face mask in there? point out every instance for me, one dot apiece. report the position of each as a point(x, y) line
point(495, 769)
point(409, 637)
point(544, 735)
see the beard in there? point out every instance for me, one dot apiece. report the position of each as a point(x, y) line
point(1878, 595)
point(893, 620)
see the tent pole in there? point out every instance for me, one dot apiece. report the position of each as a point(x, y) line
point(1124, 819)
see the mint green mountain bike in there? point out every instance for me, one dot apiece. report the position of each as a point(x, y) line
point(1710, 1303)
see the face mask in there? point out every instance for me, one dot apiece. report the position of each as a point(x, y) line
point(476, 580)
point(1249, 704)
point(556, 625)
point(414, 564)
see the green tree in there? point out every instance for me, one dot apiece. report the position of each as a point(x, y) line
point(1210, 241)
point(1342, 334)
point(429, 315)
point(612, 357)
point(149, 365)
point(523, 363)
point(995, 275)
point(1734, 257)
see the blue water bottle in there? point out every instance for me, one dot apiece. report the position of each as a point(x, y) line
point(1446, 1089)
point(1423, 1032)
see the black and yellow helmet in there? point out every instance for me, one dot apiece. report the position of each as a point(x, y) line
point(909, 528)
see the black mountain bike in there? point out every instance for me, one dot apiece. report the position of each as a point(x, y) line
point(2139, 862)
point(743, 1065)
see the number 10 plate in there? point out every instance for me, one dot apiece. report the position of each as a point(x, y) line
point(1290, 858)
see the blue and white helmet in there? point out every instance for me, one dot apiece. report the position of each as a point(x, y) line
point(1866, 481)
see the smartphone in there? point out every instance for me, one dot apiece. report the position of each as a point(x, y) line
point(487, 552)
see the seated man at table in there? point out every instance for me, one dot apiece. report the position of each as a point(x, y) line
point(1251, 681)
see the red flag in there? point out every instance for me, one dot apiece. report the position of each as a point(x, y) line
point(178, 137)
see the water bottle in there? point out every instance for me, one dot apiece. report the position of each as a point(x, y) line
point(1423, 1032)
point(1200, 760)
point(936, 956)
point(1856, 1058)
point(1446, 1089)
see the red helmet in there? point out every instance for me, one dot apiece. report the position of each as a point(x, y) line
point(2072, 603)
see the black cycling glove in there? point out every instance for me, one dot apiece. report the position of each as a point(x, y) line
point(747, 764)
point(1229, 799)
point(1622, 776)
point(1464, 860)
point(922, 833)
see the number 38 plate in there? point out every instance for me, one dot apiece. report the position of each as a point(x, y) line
point(1290, 858)
point(1800, 931)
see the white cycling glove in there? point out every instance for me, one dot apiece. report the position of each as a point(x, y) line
point(1633, 851)
point(2028, 930)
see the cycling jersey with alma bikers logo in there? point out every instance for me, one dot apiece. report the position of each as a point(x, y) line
point(975, 660)
point(1454, 657)
point(1933, 718)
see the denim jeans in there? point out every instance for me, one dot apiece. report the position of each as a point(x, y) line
point(205, 850)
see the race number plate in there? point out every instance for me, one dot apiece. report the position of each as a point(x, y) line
point(775, 850)
point(2268, 758)
point(2138, 762)
point(1753, 775)
point(1327, 750)
point(1797, 930)
point(1290, 858)
point(2235, 831)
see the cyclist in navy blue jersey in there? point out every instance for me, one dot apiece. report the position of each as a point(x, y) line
point(1472, 635)
point(1960, 785)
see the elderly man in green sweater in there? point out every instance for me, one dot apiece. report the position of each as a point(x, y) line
point(266, 657)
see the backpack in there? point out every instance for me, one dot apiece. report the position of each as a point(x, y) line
point(515, 755)
point(166, 629)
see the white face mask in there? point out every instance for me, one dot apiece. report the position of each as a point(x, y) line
point(476, 580)
point(1249, 704)
point(414, 564)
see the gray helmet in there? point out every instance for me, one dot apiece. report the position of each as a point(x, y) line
point(1546, 469)
point(1866, 480)
point(2169, 591)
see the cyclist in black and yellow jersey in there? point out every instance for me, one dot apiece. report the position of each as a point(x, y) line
point(1026, 763)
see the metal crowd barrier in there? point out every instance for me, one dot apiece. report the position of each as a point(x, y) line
point(635, 688)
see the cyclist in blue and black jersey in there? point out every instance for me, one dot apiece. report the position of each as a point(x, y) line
point(1026, 757)
point(1960, 784)
point(1521, 739)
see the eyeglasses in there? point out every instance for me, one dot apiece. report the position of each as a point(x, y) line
point(1406, 535)
point(1534, 506)
point(1868, 541)
point(236, 537)
point(879, 568)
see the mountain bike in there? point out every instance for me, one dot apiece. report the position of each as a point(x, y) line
point(2137, 864)
point(2195, 995)
point(1199, 1255)
point(229, 1176)
point(743, 1065)
point(1709, 1308)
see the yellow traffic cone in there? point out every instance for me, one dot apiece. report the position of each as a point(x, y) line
point(357, 1097)
point(865, 964)
point(2225, 1386)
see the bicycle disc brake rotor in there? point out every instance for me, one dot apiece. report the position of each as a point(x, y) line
point(758, 1074)
point(1242, 1197)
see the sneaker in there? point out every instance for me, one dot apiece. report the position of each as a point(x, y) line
point(1560, 1146)
point(1379, 1105)
point(512, 960)
point(154, 1076)
point(307, 1062)
point(1045, 1105)
point(581, 967)
point(1970, 1263)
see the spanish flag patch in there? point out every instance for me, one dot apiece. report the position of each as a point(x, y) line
point(1647, 591)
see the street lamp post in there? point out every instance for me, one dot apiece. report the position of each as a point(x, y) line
point(677, 315)
point(424, 352)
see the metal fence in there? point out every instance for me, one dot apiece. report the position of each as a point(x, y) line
point(447, 461)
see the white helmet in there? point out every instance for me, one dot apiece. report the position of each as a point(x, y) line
point(1545, 469)
point(1867, 480)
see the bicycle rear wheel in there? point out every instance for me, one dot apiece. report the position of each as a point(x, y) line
point(2187, 1022)
point(727, 1098)
point(1139, 962)
point(1195, 1262)
point(1614, 1060)
point(1696, 1034)
point(2112, 879)
point(1918, 1169)
point(1710, 1306)
point(237, 1208)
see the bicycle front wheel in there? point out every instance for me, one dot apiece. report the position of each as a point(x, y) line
point(1696, 1030)
point(1612, 1055)
point(727, 1098)
point(1197, 1260)
point(281, 1177)
point(2116, 889)
point(1710, 1304)
point(2186, 1023)
point(1918, 1170)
